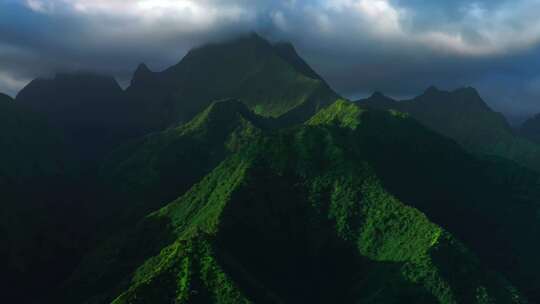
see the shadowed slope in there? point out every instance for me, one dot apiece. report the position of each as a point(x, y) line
point(91, 110)
point(491, 205)
point(150, 172)
point(36, 204)
point(270, 80)
point(463, 116)
point(307, 214)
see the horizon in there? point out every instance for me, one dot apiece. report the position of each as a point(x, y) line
point(396, 47)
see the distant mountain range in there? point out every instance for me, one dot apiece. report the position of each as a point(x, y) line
point(463, 116)
point(239, 176)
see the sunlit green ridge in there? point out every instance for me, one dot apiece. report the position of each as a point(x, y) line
point(298, 215)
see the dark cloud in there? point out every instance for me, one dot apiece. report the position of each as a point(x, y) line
point(396, 46)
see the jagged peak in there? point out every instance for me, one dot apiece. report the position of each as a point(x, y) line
point(141, 73)
point(468, 91)
point(83, 85)
point(461, 98)
point(142, 68)
point(89, 80)
point(248, 38)
point(471, 96)
point(379, 96)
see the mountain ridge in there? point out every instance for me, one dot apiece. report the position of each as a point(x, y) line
point(304, 191)
point(270, 80)
point(243, 178)
point(463, 116)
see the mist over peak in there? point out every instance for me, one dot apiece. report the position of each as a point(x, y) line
point(399, 47)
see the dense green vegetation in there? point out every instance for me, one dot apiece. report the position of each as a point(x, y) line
point(271, 80)
point(313, 214)
point(150, 172)
point(239, 176)
point(463, 116)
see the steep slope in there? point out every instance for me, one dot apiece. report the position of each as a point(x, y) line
point(145, 174)
point(531, 129)
point(91, 109)
point(38, 245)
point(317, 213)
point(272, 81)
point(22, 133)
point(463, 116)
point(491, 204)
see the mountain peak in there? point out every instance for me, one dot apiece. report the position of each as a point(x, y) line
point(141, 73)
point(239, 43)
point(68, 84)
point(377, 100)
point(466, 96)
point(142, 68)
point(248, 68)
point(467, 91)
point(378, 96)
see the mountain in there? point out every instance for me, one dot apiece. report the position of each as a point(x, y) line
point(22, 132)
point(272, 80)
point(329, 212)
point(91, 109)
point(463, 116)
point(97, 115)
point(149, 172)
point(83, 183)
point(37, 205)
point(531, 129)
point(236, 176)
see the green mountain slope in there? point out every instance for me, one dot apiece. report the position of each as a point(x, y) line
point(343, 209)
point(272, 80)
point(65, 203)
point(463, 116)
point(150, 172)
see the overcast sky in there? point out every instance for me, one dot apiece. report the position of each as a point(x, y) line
point(399, 47)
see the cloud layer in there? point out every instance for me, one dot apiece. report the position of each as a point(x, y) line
point(397, 46)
